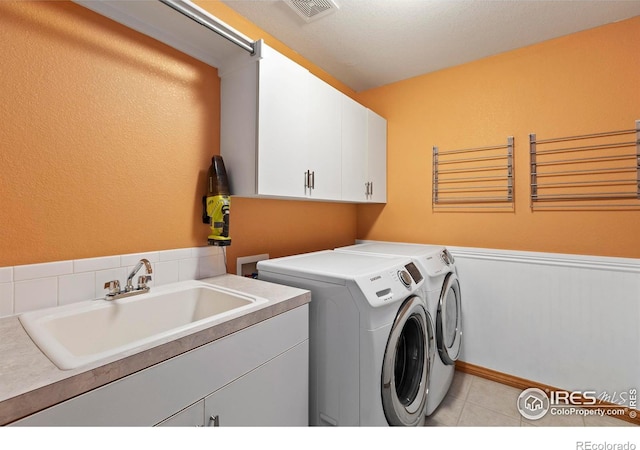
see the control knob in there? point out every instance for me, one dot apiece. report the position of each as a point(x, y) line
point(447, 257)
point(405, 278)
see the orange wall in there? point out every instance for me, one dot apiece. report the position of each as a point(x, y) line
point(106, 137)
point(578, 84)
point(105, 141)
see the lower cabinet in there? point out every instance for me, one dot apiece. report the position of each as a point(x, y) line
point(191, 416)
point(257, 376)
point(267, 396)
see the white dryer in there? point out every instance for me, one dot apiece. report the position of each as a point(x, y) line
point(371, 342)
point(442, 292)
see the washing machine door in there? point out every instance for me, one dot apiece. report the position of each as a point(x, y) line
point(406, 365)
point(449, 320)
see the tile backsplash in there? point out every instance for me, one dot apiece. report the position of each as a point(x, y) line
point(37, 286)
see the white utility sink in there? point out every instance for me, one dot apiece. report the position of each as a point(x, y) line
point(82, 333)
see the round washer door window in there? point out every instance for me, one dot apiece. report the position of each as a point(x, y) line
point(406, 365)
point(449, 320)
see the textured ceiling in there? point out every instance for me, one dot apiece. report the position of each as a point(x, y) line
point(369, 43)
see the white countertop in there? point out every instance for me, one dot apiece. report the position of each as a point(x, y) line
point(30, 382)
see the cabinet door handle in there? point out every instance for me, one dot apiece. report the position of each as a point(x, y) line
point(306, 180)
point(313, 180)
point(371, 188)
point(214, 421)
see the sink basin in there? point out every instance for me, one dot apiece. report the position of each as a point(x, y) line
point(82, 333)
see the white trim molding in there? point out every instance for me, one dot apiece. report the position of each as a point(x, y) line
point(549, 259)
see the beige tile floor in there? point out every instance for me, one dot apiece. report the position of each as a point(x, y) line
point(474, 402)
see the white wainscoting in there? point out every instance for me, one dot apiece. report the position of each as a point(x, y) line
point(567, 321)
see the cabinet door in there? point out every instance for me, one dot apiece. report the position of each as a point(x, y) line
point(274, 394)
point(283, 99)
point(354, 150)
point(192, 416)
point(377, 157)
point(325, 140)
point(238, 130)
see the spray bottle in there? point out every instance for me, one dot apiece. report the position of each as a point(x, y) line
point(217, 203)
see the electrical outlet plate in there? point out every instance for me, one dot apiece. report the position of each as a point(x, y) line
point(246, 265)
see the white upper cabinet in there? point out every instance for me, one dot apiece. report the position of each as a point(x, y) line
point(287, 134)
point(364, 154)
point(376, 158)
point(283, 121)
point(299, 126)
point(325, 141)
point(354, 151)
point(264, 127)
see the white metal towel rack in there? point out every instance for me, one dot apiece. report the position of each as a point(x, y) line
point(603, 174)
point(480, 177)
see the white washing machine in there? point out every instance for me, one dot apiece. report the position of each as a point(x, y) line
point(442, 292)
point(371, 343)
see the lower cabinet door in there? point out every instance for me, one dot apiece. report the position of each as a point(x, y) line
point(273, 394)
point(191, 416)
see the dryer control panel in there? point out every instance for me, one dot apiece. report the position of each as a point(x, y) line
point(447, 257)
point(392, 285)
point(437, 263)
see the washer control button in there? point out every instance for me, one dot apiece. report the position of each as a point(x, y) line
point(405, 278)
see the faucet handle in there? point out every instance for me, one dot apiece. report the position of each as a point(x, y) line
point(113, 286)
point(147, 265)
point(142, 281)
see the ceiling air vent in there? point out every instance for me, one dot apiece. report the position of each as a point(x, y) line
point(311, 10)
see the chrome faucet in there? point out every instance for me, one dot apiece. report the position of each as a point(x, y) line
point(142, 280)
point(129, 290)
